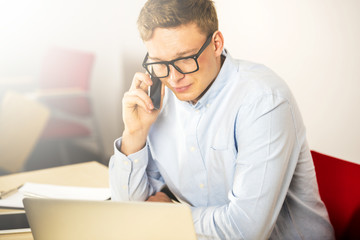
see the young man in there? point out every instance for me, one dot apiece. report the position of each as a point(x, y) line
point(228, 138)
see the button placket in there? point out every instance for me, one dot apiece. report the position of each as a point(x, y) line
point(197, 161)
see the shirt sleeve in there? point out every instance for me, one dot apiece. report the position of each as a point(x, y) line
point(133, 177)
point(265, 139)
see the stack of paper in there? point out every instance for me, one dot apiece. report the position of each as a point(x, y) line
point(54, 191)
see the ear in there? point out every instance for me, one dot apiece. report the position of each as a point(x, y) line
point(218, 43)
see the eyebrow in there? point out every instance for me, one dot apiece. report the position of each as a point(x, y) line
point(177, 55)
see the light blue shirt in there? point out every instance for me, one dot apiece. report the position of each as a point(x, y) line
point(239, 157)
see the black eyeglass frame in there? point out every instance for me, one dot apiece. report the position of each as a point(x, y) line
point(172, 62)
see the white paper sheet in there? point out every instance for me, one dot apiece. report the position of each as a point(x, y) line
point(54, 191)
point(12, 201)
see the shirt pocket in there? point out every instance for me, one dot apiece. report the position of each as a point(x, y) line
point(221, 161)
point(222, 146)
point(221, 139)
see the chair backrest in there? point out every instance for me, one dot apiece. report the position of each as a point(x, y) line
point(66, 68)
point(339, 187)
point(21, 123)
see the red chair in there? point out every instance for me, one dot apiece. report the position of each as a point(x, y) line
point(64, 87)
point(339, 187)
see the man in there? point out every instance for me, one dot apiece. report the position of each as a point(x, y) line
point(228, 138)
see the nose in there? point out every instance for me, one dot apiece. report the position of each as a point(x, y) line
point(174, 75)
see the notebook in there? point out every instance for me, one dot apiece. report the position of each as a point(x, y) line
point(83, 219)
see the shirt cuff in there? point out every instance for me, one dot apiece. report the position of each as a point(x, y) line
point(134, 160)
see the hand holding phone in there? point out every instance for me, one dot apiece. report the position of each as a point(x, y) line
point(154, 92)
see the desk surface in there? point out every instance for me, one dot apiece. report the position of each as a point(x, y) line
point(90, 174)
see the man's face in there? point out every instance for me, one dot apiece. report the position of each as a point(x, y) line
point(171, 43)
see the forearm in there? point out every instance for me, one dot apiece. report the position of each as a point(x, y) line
point(133, 142)
point(133, 177)
point(239, 219)
point(230, 222)
point(128, 177)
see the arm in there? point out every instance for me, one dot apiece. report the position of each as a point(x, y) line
point(133, 176)
point(138, 114)
point(266, 137)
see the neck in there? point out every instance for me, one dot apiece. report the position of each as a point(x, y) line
point(220, 63)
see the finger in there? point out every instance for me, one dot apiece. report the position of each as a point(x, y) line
point(143, 86)
point(151, 199)
point(159, 197)
point(148, 82)
point(139, 98)
point(132, 101)
point(141, 80)
point(144, 96)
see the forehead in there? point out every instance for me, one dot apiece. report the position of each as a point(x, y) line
point(170, 43)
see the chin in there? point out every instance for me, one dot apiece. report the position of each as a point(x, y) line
point(185, 97)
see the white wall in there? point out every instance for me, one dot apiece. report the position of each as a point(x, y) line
point(313, 45)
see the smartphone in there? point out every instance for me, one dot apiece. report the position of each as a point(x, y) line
point(13, 222)
point(154, 92)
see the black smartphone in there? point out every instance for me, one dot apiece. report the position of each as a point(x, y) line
point(155, 92)
point(12, 222)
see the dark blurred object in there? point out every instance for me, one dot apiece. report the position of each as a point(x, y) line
point(167, 191)
point(64, 87)
point(339, 183)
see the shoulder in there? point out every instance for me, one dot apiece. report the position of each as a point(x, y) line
point(257, 90)
point(253, 81)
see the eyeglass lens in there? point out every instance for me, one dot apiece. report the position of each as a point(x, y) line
point(184, 66)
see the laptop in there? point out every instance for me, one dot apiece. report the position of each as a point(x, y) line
point(82, 219)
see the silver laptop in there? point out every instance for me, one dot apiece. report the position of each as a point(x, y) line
point(78, 219)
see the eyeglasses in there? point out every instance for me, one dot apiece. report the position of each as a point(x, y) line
point(184, 65)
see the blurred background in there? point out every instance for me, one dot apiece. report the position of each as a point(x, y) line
point(312, 45)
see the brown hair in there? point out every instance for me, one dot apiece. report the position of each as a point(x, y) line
point(173, 13)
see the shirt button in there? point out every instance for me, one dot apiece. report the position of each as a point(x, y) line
point(136, 160)
point(208, 105)
point(124, 187)
point(126, 162)
point(192, 149)
point(201, 185)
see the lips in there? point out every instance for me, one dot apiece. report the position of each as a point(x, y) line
point(182, 88)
